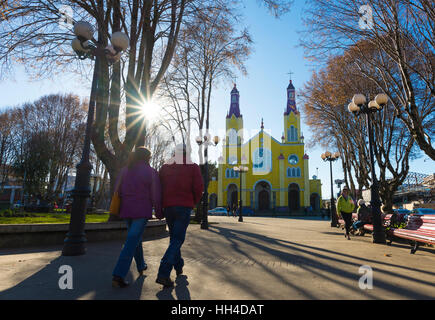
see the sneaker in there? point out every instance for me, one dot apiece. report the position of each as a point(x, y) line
point(166, 282)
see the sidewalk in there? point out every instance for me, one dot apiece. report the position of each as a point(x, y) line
point(261, 258)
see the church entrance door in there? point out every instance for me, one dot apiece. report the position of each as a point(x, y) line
point(262, 195)
point(315, 202)
point(263, 200)
point(293, 197)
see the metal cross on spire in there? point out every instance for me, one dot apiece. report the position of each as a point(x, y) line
point(290, 73)
point(234, 80)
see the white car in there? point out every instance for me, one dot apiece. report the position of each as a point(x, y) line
point(219, 211)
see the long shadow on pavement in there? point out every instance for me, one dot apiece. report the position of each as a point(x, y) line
point(181, 290)
point(314, 265)
point(92, 275)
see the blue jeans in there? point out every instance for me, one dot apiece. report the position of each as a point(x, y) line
point(132, 248)
point(177, 219)
point(358, 224)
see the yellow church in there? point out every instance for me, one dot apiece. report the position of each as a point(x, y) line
point(277, 179)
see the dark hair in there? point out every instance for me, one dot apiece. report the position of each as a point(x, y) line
point(140, 154)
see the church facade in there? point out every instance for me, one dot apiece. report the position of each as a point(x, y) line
point(277, 179)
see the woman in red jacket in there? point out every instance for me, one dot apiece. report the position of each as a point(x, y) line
point(182, 188)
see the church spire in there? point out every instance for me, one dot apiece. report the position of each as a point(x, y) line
point(291, 99)
point(235, 106)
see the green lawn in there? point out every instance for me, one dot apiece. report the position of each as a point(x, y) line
point(51, 218)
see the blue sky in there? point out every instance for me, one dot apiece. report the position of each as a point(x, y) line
point(262, 92)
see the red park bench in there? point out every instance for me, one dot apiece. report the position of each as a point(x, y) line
point(368, 227)
point(386, 222)
point(420, 229)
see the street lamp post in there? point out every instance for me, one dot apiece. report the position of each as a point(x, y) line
point(328, 156)
point(241, 169)
point(86, 47)
point(358, 106)
point(206, 142)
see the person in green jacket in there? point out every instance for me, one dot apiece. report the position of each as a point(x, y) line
point(345, 207)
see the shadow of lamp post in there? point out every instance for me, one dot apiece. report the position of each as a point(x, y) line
point(359, 106)
point(206, 142)
point(85, 46)
point(328, 156)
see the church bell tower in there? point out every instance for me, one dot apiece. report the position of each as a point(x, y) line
point(292, 118)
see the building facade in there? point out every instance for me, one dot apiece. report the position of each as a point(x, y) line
point(278, 171)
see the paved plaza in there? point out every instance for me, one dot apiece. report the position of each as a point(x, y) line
point(261, 258)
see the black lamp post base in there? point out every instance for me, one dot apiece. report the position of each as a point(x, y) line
point(379, 238)
point(74, 247)
point(240, 219)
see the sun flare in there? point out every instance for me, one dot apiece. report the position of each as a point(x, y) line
point(150, 110)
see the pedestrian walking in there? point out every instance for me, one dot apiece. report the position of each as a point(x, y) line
point(182, 189)
point(364, 217)
point(139, 189)
point(345, 207)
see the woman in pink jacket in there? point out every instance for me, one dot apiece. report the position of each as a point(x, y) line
point(140, 191)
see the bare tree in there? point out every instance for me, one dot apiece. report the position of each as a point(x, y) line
point(7, 122)
point(211, 50)
point(29, 33)
point(326, 98)
point(400, 37)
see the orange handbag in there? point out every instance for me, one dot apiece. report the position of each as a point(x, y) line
point(115, 204)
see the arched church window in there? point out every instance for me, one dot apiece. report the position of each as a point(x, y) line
point(232, 137)
point(292, 134)
point(298, 171)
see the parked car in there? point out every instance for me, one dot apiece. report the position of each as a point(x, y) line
point(245, 211)
point(423, 211)
point(219, 211)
